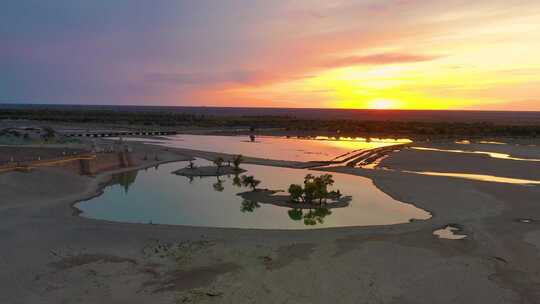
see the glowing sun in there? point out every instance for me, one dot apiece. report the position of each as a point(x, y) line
point(381, 104)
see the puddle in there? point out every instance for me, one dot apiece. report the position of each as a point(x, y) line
point(525, 221)
point(449, 232)
point(480, 177)
point(491, 154)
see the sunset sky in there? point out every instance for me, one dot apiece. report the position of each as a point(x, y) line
point(406, 54)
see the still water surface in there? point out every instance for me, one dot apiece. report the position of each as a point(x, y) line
point(157, 196)
point(491, 154)
point(275, 147)
point(481, 177)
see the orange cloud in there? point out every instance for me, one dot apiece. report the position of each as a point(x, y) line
point(379, 59)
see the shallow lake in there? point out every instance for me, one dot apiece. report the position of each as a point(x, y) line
point(155, 195)
point(481, 177)
point(274, 147)
point(490, 154)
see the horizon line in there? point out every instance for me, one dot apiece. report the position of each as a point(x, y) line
point(265, 107)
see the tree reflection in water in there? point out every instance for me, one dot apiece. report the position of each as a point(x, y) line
point(237, 181)
point(295, 214)
point(311, 217)
point(314, 217)
point(249, 206)
point(124, 179)
point(218, 186)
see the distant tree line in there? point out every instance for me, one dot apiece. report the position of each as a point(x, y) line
point(289, 123)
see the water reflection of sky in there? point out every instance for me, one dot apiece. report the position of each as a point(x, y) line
point(157, 196)
point(491, 154)
point(275, 147)
point(481, 177)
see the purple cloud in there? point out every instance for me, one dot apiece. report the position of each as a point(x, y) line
point(379, 59)
point(204, 79)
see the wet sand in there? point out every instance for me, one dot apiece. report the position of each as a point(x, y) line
point(48, 255)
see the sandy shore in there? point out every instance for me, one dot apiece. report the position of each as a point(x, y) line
point(48, 255)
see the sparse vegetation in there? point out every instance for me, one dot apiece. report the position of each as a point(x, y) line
point(296, 192)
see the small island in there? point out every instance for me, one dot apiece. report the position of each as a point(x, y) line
point(313, 194)
point(208, 171)
point(220, 169)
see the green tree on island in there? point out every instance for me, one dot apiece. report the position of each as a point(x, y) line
point(315, 189)
point(296, 193)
